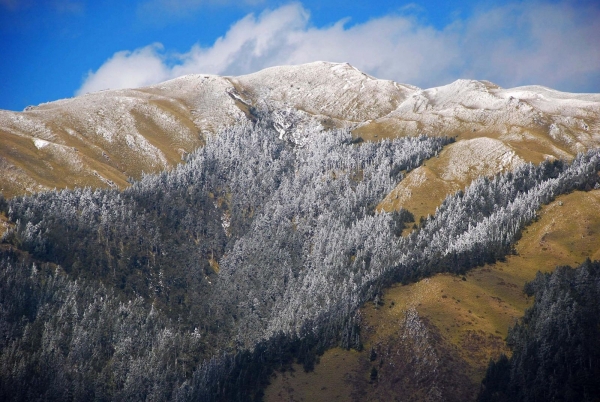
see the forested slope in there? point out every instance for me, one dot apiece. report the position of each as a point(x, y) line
point(197, 282)
point(556, 348)
point(461, 320)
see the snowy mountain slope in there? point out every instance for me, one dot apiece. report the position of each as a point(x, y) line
point(104, 138)
point(338, 91)
point(253, 237)
point(560, 123)
point(456, 166)
point(497, 130)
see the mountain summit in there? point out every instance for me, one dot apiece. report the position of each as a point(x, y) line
point(109, 137)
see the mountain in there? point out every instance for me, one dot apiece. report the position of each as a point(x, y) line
point(106, 138)
point(294, 216)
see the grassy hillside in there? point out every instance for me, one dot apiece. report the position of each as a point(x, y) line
point(104, 138)
point(467, 317)
point(424, 189)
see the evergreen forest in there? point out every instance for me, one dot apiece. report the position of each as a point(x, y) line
point(197, 283)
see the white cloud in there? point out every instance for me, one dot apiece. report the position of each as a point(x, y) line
point(554, 45)
point(126, 69)
point(250, 44)
point(532, 43)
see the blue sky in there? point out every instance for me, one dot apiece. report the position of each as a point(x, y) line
point(52, 49)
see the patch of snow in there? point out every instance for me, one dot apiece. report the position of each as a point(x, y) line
point(478, 157)
point(39, 144)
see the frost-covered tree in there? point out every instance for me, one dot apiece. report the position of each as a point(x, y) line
point(195, 282)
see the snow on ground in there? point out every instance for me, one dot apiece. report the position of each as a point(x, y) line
point(333, 89)
point(39, 144)
point(477, 157)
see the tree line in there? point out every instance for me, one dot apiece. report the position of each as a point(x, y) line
point(196, 283)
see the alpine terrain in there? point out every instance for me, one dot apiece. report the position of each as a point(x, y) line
point(301, 233)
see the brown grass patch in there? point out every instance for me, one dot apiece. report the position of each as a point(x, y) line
point(469, 318)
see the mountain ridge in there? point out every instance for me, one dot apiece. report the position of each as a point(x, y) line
point(108, 137)
point(284, 214)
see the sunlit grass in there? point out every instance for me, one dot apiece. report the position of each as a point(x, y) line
point(472, 314)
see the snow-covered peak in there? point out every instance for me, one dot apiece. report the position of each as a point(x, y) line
point(108, 136)
point(336, 90)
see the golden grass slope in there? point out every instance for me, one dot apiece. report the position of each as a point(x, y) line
point(103, 139)
point(424, 189)
point(496, 130)
point(467, 319)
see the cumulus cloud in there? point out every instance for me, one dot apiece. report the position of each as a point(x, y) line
point(521, 43)
point(127, 69)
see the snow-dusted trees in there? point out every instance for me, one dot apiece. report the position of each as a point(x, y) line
point(480, 224)
point(263, 249)
point(309, 238)
point(556, 345)
point(277, 210)
point(68, 340)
